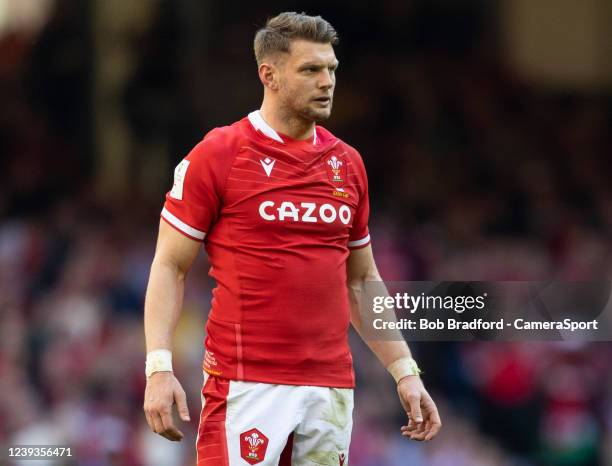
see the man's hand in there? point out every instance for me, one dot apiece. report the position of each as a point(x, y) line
point(423, 418)
point(163, 390)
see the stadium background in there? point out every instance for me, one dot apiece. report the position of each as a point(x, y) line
point(485, 126)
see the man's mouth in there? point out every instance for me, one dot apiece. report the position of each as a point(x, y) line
point(323, 100)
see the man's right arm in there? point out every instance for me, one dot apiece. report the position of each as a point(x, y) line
point(174, 255)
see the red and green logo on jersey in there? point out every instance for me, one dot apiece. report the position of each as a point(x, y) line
point(336, 170)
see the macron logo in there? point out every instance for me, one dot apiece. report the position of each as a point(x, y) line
point(267, 165)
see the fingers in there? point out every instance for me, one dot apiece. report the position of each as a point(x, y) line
point(434, 419)
point(414, 401)
point(154, 422)
point(429, 427)
point(181, 404)
point(160, 421)
point(169, 430)
point(415, 431)
point(158, 425)
point(420, 433)
point(413, 426)
point(162, 391)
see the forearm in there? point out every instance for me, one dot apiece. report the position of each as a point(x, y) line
point(163, 304)
point(387, 351)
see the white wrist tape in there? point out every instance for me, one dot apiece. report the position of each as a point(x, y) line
point(403, 367)
point(159, 360)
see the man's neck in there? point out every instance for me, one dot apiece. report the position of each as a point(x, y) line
point(291, 125)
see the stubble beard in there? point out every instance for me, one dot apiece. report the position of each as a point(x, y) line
point(295, 110)
point(318, 115)
point(306, 112)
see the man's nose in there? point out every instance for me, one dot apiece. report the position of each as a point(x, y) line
point(326, 80)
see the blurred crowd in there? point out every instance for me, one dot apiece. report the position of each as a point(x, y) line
point(474, 175)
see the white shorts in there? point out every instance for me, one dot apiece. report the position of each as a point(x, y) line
point(263, 424)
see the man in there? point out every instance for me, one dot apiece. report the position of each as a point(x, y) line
point(282, 207)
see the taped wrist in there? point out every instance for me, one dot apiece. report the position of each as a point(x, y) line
point(403, 367)
point(159, 360)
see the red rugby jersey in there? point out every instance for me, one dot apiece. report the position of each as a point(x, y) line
point(277, 217)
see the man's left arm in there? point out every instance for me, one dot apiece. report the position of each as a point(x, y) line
point(423, 418)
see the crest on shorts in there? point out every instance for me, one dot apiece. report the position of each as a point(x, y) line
point(336, 169)
point(253, 446)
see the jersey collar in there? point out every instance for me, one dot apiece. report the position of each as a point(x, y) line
point(260, 125)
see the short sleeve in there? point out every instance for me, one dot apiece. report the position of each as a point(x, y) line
point(193, 203)
point(359, 236)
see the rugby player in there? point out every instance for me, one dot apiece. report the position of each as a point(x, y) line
point(281, 205)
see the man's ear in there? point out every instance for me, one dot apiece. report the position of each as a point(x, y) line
point(269, 75)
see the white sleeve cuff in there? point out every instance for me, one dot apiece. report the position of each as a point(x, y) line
point(359, 242)
point(182, 226)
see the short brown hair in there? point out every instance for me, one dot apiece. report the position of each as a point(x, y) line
point(277, 34)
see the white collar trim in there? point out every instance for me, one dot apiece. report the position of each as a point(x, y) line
point(260, 125)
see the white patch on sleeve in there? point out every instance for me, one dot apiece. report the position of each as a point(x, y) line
point(179, 178)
